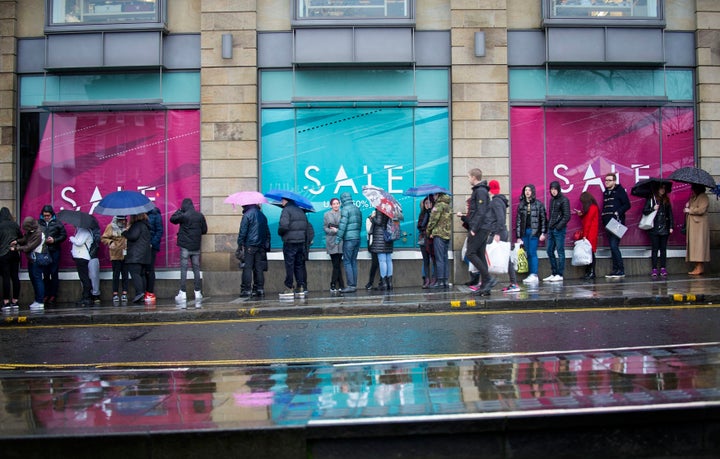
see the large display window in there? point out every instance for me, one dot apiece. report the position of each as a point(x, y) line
point(71, 160)
point(107, 12)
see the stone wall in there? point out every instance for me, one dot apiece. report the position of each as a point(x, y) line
point(8, 92)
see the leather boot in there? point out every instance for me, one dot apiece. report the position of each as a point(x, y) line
point(388, 283)
point(381, 284)
point(474, 279)
point(426, 282)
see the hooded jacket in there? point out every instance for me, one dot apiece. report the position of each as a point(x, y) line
point(138, 243)
point(31, 239)
point(294, 227)
point(254, 230)
point(440, 223)
point(559, 209)
point(351, 220)
point(9, 231)
point(192, 226)
point(53, 229)
point(156, 227)
point(496, 216)
point(535, 209)
point(379, 244)
point(112, 237)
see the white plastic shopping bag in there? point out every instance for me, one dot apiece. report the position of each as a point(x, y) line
point(582, 253)
point(498, 257)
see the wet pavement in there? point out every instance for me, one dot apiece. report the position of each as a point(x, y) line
point(507, 400)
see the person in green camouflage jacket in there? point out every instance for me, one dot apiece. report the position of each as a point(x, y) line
point(440, 228)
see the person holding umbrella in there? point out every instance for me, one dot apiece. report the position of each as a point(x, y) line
point(9, 260)
point(439, 229)
point(383, 248)
point(55, 235)
point(296, 232)
point(662, 228)
point(81, 255)
point(697, 236)
point(254, 236)
point(138, 253)
point(112, 237)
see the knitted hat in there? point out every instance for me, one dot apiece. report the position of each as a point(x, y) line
point(494, 187)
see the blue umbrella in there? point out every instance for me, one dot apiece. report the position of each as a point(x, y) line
point(300, 200)
point(424, 190)
point(124, 203)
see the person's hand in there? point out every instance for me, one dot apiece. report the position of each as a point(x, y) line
point(656, 207)
point(542, 237)
point(687, 210)
point(50, 240)
point(496, 238)
point(472, 233)
point(519, 241)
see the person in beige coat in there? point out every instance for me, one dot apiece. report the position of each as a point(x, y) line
point(697, 237)
point(112, 237)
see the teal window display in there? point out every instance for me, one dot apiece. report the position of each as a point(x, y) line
point(323, 152)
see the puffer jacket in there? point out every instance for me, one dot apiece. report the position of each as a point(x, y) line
point(350, 220)
point(9, 231)
point(559, 211)
point(496, 217)
point(138, 243)
point(379, 244)
point(53, 229)
point(538, 216)
point(440, 223)
point(293, 225)
point(192, 226)
point(254, 230)
point(156, 227)
point(31, 239)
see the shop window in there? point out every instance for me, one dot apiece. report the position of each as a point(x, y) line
point(603, 10)
point(351, 10)
point(103, 12)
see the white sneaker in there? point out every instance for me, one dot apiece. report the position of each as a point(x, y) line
point(550, 278)
point(181, 296)
point(558, 278)
point(531, 279)
point(36, 306)
point(198, 295)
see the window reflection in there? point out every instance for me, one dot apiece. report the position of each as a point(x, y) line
point(71, 12)
point(353, 9)
point(605, 8)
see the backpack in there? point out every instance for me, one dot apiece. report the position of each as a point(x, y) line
point(392, 230)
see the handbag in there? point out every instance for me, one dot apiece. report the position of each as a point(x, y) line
point(42, 258)
point(498, 257)
point(577, 235)
point(647, 221)
point(522, 263)
point(616, 228)
point(582, 253)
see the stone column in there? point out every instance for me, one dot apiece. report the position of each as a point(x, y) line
point(228, 93)
point(8, 96)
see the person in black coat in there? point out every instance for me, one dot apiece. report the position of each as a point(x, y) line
point(254, 236)
point(138, 253)
point(559, 216)
point(156, 233)
point(297, 233)
point(192, 227)
point(615, 204)
point(382, 248)
point(55, 235)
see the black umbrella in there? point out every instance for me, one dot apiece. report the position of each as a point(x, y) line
point(693, 175)
point(645, 188)
point(77, 219)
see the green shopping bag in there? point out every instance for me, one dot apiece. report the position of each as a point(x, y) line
point(522, 261)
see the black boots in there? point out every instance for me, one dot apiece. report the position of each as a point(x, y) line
point(386, 283)
point(474, 279)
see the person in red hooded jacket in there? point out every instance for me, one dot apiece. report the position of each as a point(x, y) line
point(589, 215)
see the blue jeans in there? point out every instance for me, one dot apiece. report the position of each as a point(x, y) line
point(617, 261)
point(386, 264)
point(35, 273)
point(194, 258)
point(531, 246)
point(556, 241)
point(440, 246)
point(350, 253)
point(50, 274)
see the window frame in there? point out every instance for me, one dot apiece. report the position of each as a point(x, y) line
point(298, 21)
point(159, 24)
point(551, 20)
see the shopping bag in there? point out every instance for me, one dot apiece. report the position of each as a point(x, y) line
point(582, 253)
point(498, 256)
point(514, 256)
point(616, 228)
point(647, 221)
point(522, 263)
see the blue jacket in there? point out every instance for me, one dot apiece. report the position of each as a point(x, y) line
point(254, 230)
point(156, 228)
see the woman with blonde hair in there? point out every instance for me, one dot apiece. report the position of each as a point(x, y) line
point(697, 236)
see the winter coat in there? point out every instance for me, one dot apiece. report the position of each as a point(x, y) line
point(615, 204)
point(192, 226)
point(496, 216)
point(663, 221)
point(81, 243)
point(478, 206)
point(379, 244)
point(294, 227)
point(31, 239)
point(9, 231)
point(351, 220)
point(591, 225)
point(559, 212)
point(138, 243)
point(254, 230)
point(53, 229)
point(156, 228)
point(112, 237)
point(440, 223)
point(697, 237)
point(331, 223)
point(538, 217)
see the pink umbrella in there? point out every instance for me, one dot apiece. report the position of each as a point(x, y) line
point(245, 198)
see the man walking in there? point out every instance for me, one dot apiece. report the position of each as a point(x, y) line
point(55, 234)
point(615, 205)
point(349, 234)
point(557, 227)
point(192, 227)
point(254, 236)
point(296, 233)
point(478, 230)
